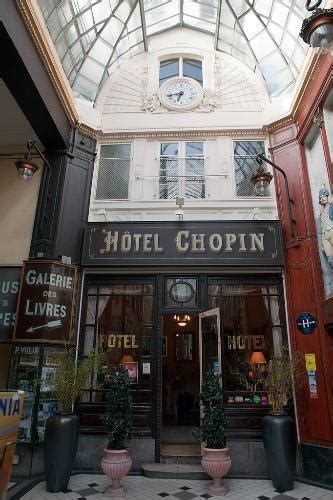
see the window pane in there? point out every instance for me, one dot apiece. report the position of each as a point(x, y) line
point(195, 171)
point(116, 151)
point(194, 148)
point(168, 69)
point(169, 149)
point(193, 69)
point(245, 163)
point(113, 176)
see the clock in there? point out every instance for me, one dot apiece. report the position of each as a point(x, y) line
point(181, 93)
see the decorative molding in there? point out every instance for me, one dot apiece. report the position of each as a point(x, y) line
point(178, 134)
point(318, 118)
point(49, 58)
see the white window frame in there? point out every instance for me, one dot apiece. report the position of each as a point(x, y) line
point(96, 173)
point(182, 165)
point(181, 63)
point(253, 197)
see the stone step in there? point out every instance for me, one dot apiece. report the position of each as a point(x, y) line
point(173, 471)
point(180, 453)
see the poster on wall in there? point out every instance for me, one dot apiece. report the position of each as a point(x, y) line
point(45, 308)
point(322, 199)
point(9, 287)
point(133, 372)
point(11, 405)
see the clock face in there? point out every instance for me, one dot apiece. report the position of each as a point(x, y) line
point(181, 93)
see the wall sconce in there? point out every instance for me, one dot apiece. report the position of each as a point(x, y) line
point(182, 320)
point(25, 166)
point(317, 30)
point(261, 179)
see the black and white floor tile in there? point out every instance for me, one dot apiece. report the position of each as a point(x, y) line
point(92, 487)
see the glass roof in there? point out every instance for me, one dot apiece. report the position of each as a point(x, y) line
point(94, 37)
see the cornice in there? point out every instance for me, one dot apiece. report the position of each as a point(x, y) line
point(27, 9)
point(178, 134)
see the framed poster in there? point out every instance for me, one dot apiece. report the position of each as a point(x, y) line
point(133, 372)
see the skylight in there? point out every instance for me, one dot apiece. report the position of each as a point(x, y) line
point(94, 37)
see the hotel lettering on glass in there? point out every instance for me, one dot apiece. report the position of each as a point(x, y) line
point(45, 308)
point(228, 243)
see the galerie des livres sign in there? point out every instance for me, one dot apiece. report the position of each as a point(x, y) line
point(45, 306)
point(184, 243)
point(9, 287)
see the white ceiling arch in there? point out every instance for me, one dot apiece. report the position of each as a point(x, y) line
point(94, 37)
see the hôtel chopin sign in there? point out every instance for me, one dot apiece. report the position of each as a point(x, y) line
point(229, 243)
point(45, 304)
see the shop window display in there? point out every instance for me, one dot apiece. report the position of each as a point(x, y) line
point(29, 370)
point(253, 331)
point(119, 322)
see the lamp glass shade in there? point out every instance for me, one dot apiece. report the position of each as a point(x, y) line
point(25, 169)
point(261, 187)
point(127, 358)
point(257, 358)
point(322, 38)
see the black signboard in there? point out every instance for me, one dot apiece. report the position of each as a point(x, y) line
point(9, 287)
point(45, 307)
point(213, 243)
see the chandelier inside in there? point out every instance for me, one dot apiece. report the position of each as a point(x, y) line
point(182, 320)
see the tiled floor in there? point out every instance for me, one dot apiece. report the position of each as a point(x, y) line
point(91, 487)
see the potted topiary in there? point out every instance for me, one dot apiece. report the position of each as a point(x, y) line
point(284, 375)
point(118, 420)
point(66, 382)
point(216, 461)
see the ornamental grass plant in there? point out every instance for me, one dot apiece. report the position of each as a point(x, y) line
point(213, 422)
point(68, 378)
point(118, 419)
point(284, 375)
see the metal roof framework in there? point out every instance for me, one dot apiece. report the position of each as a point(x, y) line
point(94, 37)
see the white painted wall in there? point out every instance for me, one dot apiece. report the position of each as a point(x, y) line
point(129, 107)
point(18, 200)
point(221, 202)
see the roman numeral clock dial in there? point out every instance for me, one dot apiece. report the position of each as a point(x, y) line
point(181, 94)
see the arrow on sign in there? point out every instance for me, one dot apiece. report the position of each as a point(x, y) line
point(50, 324)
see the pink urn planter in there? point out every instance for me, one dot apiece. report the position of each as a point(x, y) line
point(217, 464)
point(116, 464)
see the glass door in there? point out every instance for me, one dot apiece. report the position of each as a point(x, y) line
point(209, 342)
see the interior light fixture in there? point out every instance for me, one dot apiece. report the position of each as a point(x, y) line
point(26, 167)
point(317, 30)
point(182, 320)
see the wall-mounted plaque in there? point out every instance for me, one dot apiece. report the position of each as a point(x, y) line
point(46, 299)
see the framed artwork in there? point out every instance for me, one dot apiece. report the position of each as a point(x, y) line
point(133, 371)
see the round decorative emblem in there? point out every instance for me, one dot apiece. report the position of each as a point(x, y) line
point(181, 93)
point(181, 292)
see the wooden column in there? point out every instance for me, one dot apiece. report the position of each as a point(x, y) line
point(303, 273)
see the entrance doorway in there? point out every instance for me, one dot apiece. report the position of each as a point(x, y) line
point(180, 380)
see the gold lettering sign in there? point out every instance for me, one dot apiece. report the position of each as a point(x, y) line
point(115, 340)
point(251, 342)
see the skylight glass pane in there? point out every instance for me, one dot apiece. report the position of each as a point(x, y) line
point(251, 25)
point(250, 30)
point(262, 45)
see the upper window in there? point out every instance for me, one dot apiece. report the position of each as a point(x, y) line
point(113, 172)
point(192, 68)
point(182, 170)
point(245, 164)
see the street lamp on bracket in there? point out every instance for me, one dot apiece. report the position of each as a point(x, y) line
point(261, 180)
point(317, 30)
